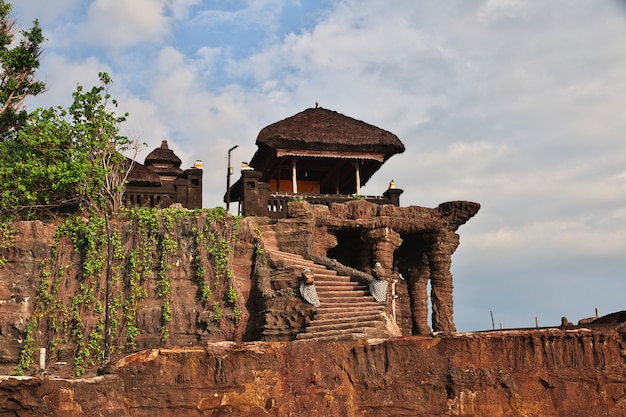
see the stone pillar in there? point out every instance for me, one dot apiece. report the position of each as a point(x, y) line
point(254, 194)
point(194, 186)
point(393, 194)
point(441, 244)
point(417, 283)
point(384, 241)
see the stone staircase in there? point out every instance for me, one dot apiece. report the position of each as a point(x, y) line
point(346, 311)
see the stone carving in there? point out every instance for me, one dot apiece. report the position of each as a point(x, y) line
point(417, 242)
point(307, 288)
point(378, 286)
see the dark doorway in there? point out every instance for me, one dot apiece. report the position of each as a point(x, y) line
point(351, 250)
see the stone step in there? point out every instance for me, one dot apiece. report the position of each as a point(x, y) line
point(347, 309)
point(339, 281)
point(330, 293)
point(352, 336)
point(342, 314)
point(346, 301)
point(342, 305)
point(297, 260)
point(341, 325)
point(326, 275)
point(352, 320)
point(349, 333)
point(339, 286)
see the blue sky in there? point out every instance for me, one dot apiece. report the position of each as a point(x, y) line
point(518, 105)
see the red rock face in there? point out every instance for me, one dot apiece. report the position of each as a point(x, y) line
point(193, 322)
point(19, 280)
point(566, 372)
point(517, 373)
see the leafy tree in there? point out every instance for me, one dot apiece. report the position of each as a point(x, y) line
point(68, 156)
point(100, 148)
point(19, 63)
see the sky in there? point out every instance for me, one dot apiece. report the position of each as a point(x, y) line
point(517, 105)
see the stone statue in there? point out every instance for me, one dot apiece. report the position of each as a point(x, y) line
point(307, 287)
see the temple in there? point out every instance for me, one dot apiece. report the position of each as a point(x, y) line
point(160, 182)
point(317, 155)
point(303, 185)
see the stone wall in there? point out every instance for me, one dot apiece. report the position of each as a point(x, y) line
point(192, 321)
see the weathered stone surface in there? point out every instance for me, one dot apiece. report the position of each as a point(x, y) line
point(19, 280)
point(101, 396)
point(540, 373)
point(192, 321)
point(399, 238)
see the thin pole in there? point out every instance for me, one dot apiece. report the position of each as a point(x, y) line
point(229, 172)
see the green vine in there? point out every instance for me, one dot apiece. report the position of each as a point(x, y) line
point(214, 234)
point(164, 290)
point(70, 308)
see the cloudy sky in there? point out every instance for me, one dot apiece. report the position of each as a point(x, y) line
point(518, 105)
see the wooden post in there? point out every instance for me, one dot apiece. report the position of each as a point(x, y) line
point(294, 179)
point(358, 177)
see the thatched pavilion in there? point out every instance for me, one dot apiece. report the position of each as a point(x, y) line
point(318, 154)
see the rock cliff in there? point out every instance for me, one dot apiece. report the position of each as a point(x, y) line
point(540, 373)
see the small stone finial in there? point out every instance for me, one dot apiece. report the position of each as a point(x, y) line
point(197, 164)
point(164, 144)
point(317, 104)
point(392, 185)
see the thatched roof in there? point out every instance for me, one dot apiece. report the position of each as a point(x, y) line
point(163, 155)
point(318, 129)
point(141, 175)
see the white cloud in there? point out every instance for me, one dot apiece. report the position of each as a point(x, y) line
point(575, 237)
point(45, 11)
point(120, 24)
point(497, 9)
point(180, 8)
point(62, 76)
